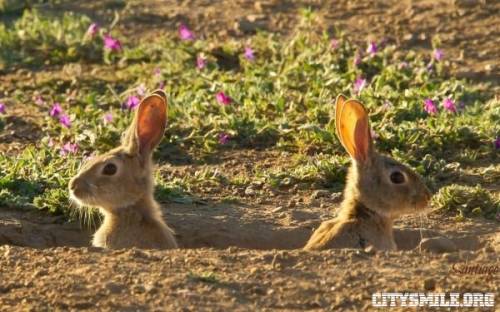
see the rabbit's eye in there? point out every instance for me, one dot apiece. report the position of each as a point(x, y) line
point(109, 169)
point(397, 177)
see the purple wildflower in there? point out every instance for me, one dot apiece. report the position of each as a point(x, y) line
point(497, 142)
point(157, 71)
point(334, 44)
point(249, 54)
point(108, 118)
point(65, 120)
point(141, 90)
point(359, 85)
point(449, 105)
point(111, 43)
point(223, 99)
point(185, 33)
point(132, 102)
point(429, 66)
point(92, 30)
point(372, 48)
point(161, 85)
point(429, 107)
point(201, 61)
point(69, 148)
point(56, 110)
point(438, 54)
point(224, 138)
point(2, 108)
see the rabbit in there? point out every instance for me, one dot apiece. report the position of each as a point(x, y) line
point(378, 190)
point(120, 183)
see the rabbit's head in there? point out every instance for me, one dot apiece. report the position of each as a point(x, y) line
point(123, 176)
point(381, 183)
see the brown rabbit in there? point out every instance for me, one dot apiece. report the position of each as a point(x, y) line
point(378, 189)
point(120, 183)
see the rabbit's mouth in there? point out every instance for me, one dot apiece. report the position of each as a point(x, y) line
point(81, 192)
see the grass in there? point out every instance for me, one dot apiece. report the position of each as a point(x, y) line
point(282, 100)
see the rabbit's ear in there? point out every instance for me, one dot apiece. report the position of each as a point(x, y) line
point(148, 126)
point(354, 131)
point(161, 93)
point(339, 103)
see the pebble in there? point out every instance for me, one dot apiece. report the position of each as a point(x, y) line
point(439, 244)
point(114, 288)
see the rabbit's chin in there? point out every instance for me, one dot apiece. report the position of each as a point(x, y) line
point(83, 200)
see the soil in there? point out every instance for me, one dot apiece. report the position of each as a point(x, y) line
point(245, 254)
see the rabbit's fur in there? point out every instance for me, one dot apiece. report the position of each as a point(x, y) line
point(372, 199)
point(132, 217)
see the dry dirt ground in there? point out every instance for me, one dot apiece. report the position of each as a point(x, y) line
point(243, 255)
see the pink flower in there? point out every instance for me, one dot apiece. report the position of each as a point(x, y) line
point(69, 148)
point(157, 71)
point(161, 85)
point(56, 110)
point(387, 105)
point(92, 30)
point(39, 100)
point(359, 85)
point(357, 59)
point(497, 143)
point(334, 44)
point(65, 120)
point(403, 65)
point(374, 134)
point(438, 54)
point(111, 43)
point(108, 118)
point(2, 108)
point(249, 54)
point(429, 107)
point(132, 102)
point(222, 98)
point(372, 48)
point(201, 61)
point(449, 105)
point(141, 90)
point(185, 33)
point(224, 138)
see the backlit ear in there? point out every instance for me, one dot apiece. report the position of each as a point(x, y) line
point(151, 122)
point(161, 93)
point(146, 131)
point(354, 131)
point(339, 103)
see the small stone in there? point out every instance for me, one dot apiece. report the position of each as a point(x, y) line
point(114, 288)
point(248, 26)
point(429, 284)
point(138, 289)
point(336, 197)
point(439, 244)
point(277, 209)
point(319, 194)
point(249, 191)
point(370, 250)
